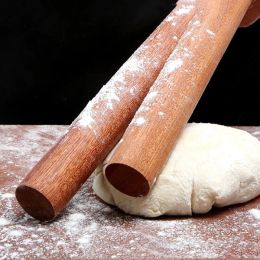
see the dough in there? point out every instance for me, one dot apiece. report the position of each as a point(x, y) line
point(211, 165)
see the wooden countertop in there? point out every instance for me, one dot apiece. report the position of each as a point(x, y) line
point(90, 229)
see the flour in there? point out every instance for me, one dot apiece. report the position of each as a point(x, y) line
point(99, 108)
point(185, 10)
point(144, 108)
point(138, 121)
point(32, 136)
point(255, 213)
point(169, 19)
point(161, 113)
point(165, 79)
point(86, 119)
point(173, 65)
point(175, 38)
point(210, 32)
point(132, 91)
point(16, 233)
point(7, 195)
point(196, 22)
point(4, 221)
point(151, 95)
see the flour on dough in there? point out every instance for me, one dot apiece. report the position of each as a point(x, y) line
point(211, 165)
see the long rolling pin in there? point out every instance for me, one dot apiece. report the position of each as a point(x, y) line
point(51, 184)
point(149, 139)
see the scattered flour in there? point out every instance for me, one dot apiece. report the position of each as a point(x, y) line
point(89, 228)
point(210, 32)
point(4, 221)
point(7, 195)
point(98, 110)
point(132, 91)
point(151, 95)
point(161, 113)
point(255, 213)
point(86, 118)
point(139, 121)
point(173, 65)
point(197, 22)
point(185, 10)
point(169, 19)
point(16, 233)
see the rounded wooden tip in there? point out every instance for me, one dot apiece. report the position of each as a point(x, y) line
point(127, 180)
point(34, 203)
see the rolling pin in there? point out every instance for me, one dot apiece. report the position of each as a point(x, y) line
point(55, 179)
point(146, 145)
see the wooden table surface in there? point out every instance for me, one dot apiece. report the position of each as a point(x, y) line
point(90, 229)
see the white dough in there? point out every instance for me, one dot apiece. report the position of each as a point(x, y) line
point(211, 165)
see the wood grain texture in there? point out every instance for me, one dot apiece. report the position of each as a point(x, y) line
point(90, 229)
point(149, 139)
point(57, 177)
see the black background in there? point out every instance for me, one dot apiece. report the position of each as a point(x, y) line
point(56, 55)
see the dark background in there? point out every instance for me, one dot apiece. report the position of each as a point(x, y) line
point(56, 55)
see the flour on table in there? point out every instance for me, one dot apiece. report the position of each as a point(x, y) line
point(211, 165)
point(255, 213)
point(89, 229)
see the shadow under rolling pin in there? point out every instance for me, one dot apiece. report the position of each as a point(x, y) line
point(50, 185)
point(145, 146)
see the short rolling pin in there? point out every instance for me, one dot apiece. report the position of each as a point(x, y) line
point(50, 185)
point(148, 141)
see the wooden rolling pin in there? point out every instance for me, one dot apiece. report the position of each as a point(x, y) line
point(149, 139)
point(56, 178)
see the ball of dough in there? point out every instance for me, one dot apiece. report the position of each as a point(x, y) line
point(211, 165)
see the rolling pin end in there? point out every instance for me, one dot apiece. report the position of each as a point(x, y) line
point(34, 203)
point(127, 180)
